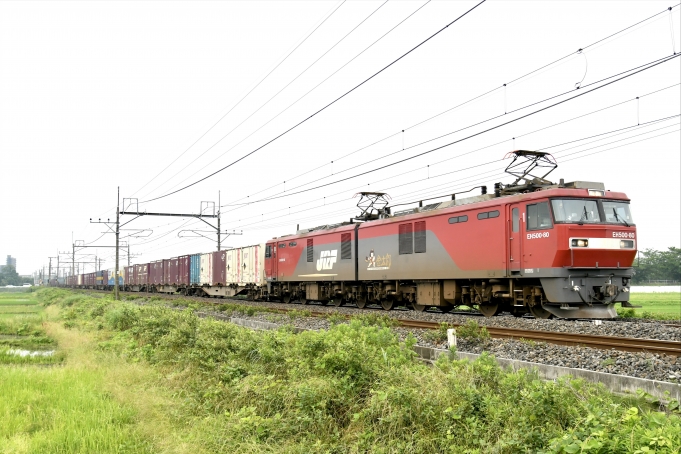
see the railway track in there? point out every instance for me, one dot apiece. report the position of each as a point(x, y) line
point(569, 339)
point(584, 340)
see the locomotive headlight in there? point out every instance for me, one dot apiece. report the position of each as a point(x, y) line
point(575, 288)
point(626, 244)
point(580, 243)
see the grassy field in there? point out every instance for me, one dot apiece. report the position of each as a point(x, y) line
point(58, 403)
point(657, 305)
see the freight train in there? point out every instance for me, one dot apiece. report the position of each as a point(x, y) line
point(564, 249)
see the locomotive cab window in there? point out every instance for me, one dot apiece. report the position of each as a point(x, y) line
point(515, 214)
point(268, 251)
point(539, 216)
point(576, 211)
point(617, 212)
point(282, 245)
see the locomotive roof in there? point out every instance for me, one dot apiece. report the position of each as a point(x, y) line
point(578, 189)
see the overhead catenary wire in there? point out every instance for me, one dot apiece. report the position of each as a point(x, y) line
point(328, 15)
point(466, 102)
point(269, 100)
point(545, 128)
point(455, 131)
point(323, 108)
point(299, 99)
point(524, 135)
point(582, 93)
point(385, 189)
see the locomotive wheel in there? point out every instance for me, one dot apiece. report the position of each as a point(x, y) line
point(286, 298)
point(388, 304)
point(338, 301)
point(489, 309)
point(361, 302)
point(419, 307)
point(540, 312)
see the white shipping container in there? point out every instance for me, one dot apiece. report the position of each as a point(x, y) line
point(253, 258)
point(233, 266)
point(206, 268)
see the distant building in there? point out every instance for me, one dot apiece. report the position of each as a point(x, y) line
point(11, 261)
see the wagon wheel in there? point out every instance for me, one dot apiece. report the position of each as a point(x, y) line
point(286, 298)
point(539, 312)
point(361, 301)
point(388, 304)
point(419, 307)
point(447, 309)
point(338, 300)
point(490, 309)
point(304, 301)
point(324, 302)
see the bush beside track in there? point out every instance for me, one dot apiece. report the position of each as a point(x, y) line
point(356, 388)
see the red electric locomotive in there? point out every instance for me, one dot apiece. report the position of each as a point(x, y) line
point(562, 249)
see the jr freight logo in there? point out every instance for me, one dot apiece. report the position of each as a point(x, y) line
point(327, 259)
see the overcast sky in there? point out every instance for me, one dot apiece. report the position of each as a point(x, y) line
point(95, 95)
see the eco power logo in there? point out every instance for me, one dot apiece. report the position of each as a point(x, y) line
point(327, 259)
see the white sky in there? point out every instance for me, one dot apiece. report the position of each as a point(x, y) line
point(95, 95)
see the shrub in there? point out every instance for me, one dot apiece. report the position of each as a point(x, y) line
point(471, 331)
point(122, 318)
point(380, 320)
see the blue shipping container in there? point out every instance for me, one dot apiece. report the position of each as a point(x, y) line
point(111, 277)
point(195, 267)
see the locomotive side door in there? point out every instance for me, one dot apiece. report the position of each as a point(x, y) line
point(515, 249)
point(271, 262)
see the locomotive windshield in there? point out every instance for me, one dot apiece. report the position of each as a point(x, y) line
point(576, 211)
point(590, 211)
point(617, 212)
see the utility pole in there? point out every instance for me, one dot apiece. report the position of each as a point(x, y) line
point(128, 252)
point(49, 271)
point(218, 221)
point(118, 209)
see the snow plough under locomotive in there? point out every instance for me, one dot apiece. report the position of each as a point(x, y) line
point(551, 249)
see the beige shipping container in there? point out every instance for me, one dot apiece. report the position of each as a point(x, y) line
point(233, 260)
point(253, 266)
point(206, 268)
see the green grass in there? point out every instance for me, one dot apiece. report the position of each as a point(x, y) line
point(663, 306)
point(353, 388)
point(63, 410)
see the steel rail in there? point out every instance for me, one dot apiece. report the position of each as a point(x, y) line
point(628, 344)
